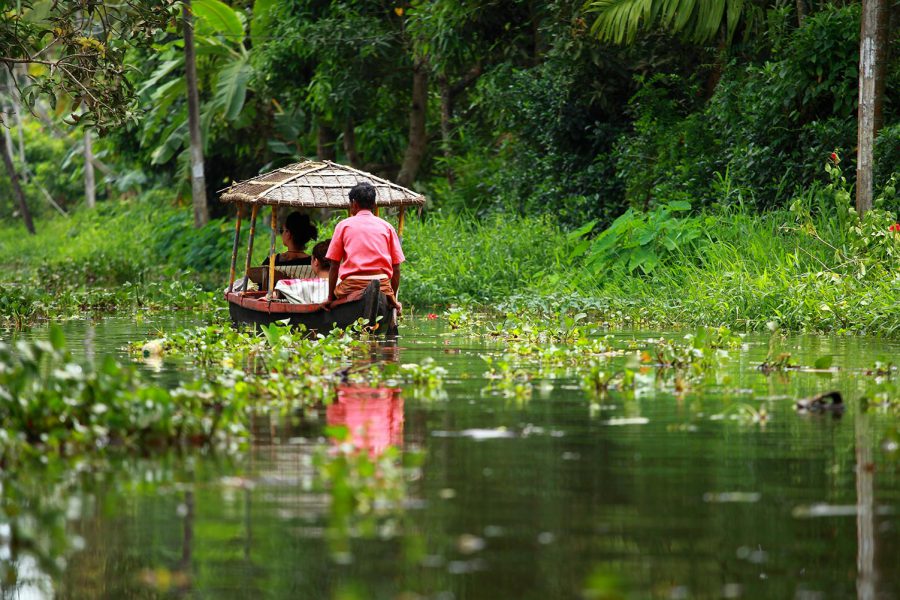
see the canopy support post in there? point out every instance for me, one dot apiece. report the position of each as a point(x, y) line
point(234, 248)
point(253, 213)
point(400, 221)
point(272, 252)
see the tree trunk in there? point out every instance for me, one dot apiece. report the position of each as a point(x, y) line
point(350, 145)
point(14, 179)
point(198, 178)
point(418, 142)
point(872, 44)
point(90, 188)
point(801, 12)
point(16, 104)
point(446, 114)
point(325, 142)
point(718, 66)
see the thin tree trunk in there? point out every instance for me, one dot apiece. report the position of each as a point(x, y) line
point(14, 96)
point(872, 43)
point(446, 114)
point(718, 66)
point(801, 12)
point(325, 142)
point(90, 187)
point(198, 178)
point(418, 141)
point(14, 179)
point(350, 144)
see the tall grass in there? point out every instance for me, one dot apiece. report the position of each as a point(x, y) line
point(458, 258)
point(804, 271)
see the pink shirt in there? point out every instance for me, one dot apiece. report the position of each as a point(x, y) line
point(365, 244)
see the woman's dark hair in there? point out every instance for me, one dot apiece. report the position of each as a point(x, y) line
point(363, 193)
point(319, 251)
point(301, 228)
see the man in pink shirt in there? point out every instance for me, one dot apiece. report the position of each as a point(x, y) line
point(364, 247)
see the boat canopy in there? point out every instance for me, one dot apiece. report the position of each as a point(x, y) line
point(316, 184)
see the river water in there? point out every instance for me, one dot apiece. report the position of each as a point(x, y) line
point(544, 493)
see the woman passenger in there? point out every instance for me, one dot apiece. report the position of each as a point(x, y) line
point(297, 232)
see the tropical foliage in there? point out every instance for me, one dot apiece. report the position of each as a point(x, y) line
point(616, 176)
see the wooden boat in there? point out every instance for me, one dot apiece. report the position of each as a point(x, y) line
point(370, 304)
point(307, 184)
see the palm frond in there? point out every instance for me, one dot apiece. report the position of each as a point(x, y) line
point(700, 21)
point(619, 21)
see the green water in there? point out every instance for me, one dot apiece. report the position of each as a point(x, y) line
point(651, 494)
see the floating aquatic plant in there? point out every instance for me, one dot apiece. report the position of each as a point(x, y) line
point(48, 402)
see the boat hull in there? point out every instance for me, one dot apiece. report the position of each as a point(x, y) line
point(370, 304)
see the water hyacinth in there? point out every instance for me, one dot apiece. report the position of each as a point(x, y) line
point(50, 403)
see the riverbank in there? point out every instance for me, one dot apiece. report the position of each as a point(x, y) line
point(815, 268)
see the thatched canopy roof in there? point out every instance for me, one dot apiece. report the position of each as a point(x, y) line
point(321, 184)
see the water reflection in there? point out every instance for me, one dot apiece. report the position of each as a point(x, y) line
point(523, 499)
point(373, 417)
point(866, 573)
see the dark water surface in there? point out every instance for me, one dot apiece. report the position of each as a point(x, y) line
point(552, 494)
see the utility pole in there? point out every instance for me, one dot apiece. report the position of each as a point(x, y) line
point(872, 42)
point(198, 179)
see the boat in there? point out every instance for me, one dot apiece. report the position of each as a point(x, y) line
point(308, 184)
point(371, 305)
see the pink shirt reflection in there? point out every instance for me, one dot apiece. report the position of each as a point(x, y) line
point(373, 416)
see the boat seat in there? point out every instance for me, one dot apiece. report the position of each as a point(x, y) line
point(260, 275)
point(294, 272)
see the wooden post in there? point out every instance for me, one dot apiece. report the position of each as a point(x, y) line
point(400, 221)
point(234, 247)
point(272, 252)
point(250, 247)
point(375, 212)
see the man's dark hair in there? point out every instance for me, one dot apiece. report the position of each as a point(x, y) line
point(363, 194)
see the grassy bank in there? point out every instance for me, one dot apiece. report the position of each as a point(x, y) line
point(817, 267)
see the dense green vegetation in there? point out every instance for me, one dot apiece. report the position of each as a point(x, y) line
point(816, 267)
point(560, 169)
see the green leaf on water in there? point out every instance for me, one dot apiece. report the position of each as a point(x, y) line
point(57, 337)
point(824, 362)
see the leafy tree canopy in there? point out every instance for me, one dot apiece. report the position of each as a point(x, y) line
point(75, 51)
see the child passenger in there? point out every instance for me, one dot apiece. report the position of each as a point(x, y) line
point(313, 290)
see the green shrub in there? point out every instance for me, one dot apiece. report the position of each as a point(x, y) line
point(639, 240)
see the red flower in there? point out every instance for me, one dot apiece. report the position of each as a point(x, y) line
point(834, 158)
point(894, 228)
point(434, 316)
